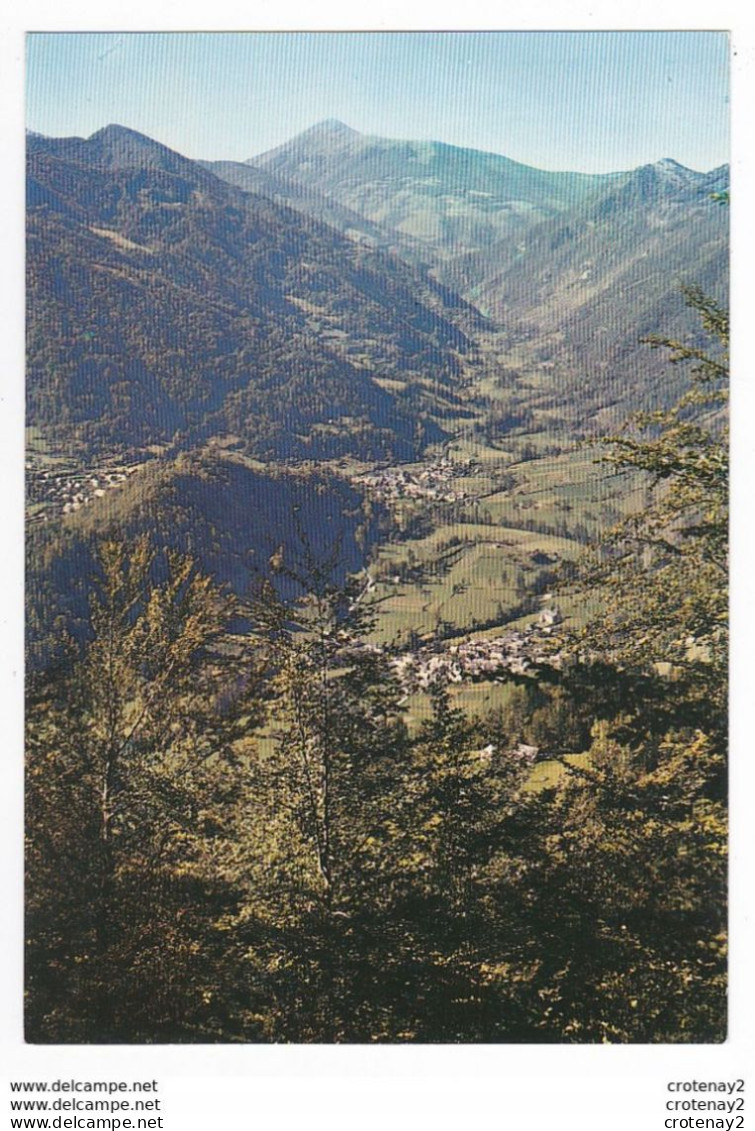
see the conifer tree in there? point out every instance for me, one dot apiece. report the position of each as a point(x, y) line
point(626, 861)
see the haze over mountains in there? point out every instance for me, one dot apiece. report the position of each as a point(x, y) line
point(449, 198)
point(576, 267)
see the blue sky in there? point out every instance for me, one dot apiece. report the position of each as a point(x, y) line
point(592, 101)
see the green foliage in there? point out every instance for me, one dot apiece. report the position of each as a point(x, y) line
point(329, 782)
point(133, 793)
point(667, 566)
point(236, 838)
point(629, 859)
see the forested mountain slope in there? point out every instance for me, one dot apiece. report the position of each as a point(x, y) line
point(307, 199)
point(574, 268)
point(231, 516)
point(579, 292)
point(166, 305)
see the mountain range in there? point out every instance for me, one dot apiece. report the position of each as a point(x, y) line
point(340, 296)
point(166, 305)
point(582, 291)
point(450, 199)
point(575, 268)
point(328, 296)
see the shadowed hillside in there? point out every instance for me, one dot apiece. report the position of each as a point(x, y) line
point(165, 305)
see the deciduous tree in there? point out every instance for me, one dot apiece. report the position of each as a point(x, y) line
point(133, 804)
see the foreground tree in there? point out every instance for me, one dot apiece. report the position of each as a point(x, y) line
point(667, 569)
point(133, 803)
point(333, 757)
point(629, 868)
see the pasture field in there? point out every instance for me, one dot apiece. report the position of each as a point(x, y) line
point(461, 579)
point(490, 557)
point(550, 773)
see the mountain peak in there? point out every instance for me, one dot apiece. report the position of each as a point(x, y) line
point(329, 132)
point(119, 147)
point(123, 140)
point(331, 126)
point(669, 163)
point(328, 136)
point(115, 132)
point(672, 177)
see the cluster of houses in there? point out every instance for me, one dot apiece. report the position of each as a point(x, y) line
point(432, 482)
point(64, 489)
point(513, 652)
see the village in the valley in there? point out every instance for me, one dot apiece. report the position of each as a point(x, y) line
point(431, 483)
point(59, 489)
point(514, 652)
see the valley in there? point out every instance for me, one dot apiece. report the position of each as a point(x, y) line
point(467, 424)
point(376, 646)
point(459, 567)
